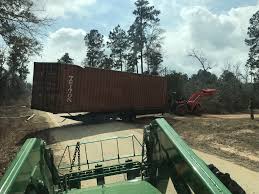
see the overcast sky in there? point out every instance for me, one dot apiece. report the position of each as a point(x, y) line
point(216, 27)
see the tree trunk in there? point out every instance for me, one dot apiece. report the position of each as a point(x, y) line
point(141, 40)
point(121, 61)
point(141, 60)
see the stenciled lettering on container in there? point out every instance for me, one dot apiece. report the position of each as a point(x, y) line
point(70, 88)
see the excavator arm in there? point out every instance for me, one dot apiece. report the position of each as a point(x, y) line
point(195, 98)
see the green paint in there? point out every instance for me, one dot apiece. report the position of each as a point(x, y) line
point(130, 187)
point(27, 167)
point(190, 167)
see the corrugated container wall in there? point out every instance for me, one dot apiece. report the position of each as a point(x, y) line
point(62, 88)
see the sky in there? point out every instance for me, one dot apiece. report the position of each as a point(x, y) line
point(217, 28)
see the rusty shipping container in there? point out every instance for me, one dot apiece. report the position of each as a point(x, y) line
point(63, 88)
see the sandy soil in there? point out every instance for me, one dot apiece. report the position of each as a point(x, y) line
point(246, 178)
point(234, 137)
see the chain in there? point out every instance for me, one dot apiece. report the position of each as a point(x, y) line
point(78, 156)
point(77, 150)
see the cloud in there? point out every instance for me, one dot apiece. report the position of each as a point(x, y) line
point(61, 8)
point(63, 40)
point(219, 36)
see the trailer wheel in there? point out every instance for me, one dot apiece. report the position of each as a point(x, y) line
point(128, 116)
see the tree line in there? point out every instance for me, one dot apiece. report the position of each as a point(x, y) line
point(233, 93)
point(137, 49)
point(19, 32)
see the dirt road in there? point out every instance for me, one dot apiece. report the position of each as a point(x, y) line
point(248, 179)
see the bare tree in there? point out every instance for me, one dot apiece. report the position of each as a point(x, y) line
point(235, 69)
point(242, 76)
point(204, 62)
point(18, 18)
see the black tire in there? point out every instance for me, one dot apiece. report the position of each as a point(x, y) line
point(225, 178)
point(128, 117)
point(197, 110)
point(181, 109)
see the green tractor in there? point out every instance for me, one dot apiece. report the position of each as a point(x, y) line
point(164, 155)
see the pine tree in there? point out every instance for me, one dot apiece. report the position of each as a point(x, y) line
point(19, 28)
point(132, 62)
point(118, 43)
point(135, 46)
point(2, 62)
point(153, 49)
point(95, 49)
point(21, 50)
point(107, 62)
point(154, 60)
point(19, 31)
point(146, 15)
point(253, 42)
point(66, 59)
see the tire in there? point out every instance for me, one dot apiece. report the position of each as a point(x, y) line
point(225, 178)
point(181, 109)
point(128, 117)
point(197, 110)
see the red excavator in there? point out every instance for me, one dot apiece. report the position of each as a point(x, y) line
point(192, 105)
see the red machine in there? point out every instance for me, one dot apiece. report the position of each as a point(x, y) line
point(192, 105)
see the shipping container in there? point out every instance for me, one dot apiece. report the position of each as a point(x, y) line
point(64, 88)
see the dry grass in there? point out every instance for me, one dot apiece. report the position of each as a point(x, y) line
point(231, 138)
point(13, 131)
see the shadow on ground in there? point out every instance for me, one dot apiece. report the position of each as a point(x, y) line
point(87, 127)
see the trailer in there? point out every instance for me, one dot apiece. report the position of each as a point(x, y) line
point(64, 88)
point(164, 156)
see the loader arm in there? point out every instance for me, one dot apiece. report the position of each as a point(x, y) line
point(32, 171)
point(170, 157)
point(196, 97)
